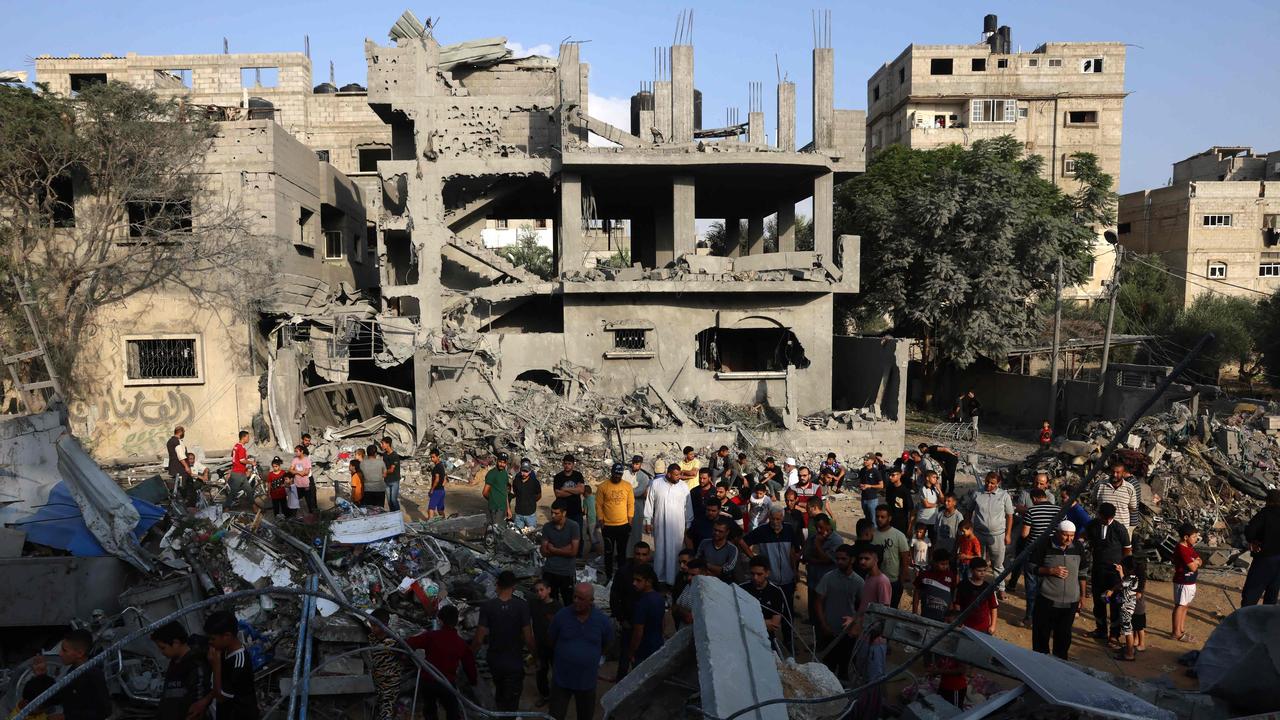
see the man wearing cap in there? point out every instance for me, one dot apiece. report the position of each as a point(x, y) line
point(790, 473)
point(527, 491)
point(615, 502)
point(639, 479)
point(497, 490)
point(667, 513)
point(870, 481)
point(1060, 565)
point(569, 486)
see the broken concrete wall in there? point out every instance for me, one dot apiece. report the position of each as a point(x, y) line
point(870, 372)
point(676, 320)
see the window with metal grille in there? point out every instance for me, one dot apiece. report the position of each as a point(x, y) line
point(332, 244)
point(161, 359)
point(630, 340)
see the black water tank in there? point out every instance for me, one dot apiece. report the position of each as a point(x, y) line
point(352, 87)
point(325, 89)
point(697, 109)
point(989, 24)
point(1006, 39)
point(642, 100)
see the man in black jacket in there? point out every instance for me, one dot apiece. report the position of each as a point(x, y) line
point(86, 697)
point(1108, 543)
point(1263, 534)
point(622, 599)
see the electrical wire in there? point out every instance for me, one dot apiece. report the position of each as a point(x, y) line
point(1188, 274)
point(853, 693)
point(231, 598)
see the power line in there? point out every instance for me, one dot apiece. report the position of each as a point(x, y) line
point(1185, 277)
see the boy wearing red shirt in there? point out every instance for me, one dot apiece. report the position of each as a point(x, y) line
point(983, 617)
point(277, 488)
point(1186, 565)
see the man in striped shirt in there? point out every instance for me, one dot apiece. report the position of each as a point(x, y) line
point(1121, 493)
point(1036, 521)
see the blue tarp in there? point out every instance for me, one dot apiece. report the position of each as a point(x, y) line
point(59, 524)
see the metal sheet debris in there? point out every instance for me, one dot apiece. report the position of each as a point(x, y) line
point(364, 529)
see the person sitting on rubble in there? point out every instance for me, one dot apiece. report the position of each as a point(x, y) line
point(730, 477)
point(771, 477)
point(233, 683)
point(374, 476)
point(835, 474)
point(186, 680)
point(199, 471)
point(385, 668)
point(718, 461)
point(277, 488)
point(447, 651)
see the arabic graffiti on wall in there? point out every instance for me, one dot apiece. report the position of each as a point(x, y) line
point(167, 410)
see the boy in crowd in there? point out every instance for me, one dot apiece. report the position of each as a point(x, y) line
point(983, 617)
point(86, 697)
point(233, 687)
point(186, 680)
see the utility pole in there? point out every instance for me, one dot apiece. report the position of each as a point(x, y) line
point(1113, 290)
point(1053, 358)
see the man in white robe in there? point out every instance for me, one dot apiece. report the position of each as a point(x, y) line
point(667, 513)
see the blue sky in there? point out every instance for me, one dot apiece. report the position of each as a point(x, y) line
point(1201, 73)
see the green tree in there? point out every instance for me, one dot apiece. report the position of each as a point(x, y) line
point(957, 243)
point(1148, 300)
point(1234, 321)
point(528, 254)
point(106, 197)
point(716, 236)
point(1268, 337)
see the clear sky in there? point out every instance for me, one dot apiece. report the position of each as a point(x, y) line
point(1200, 73)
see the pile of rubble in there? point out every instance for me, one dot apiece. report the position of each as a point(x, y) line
point(1210, 471)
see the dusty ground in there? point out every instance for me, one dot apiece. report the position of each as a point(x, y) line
point(1217, 597)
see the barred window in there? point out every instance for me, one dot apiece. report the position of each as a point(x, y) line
point(629, 339)
point(161, 359)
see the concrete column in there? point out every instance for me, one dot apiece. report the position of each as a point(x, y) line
point(786, 226)
point(733, 236)
point(824, 103)
point(570, 88)
point(646, 124)
point(682, 93)
point(572, 245)
point(755, 128)
point(664, 230)
point(584, 70)
point(787, 116)
point(755, 235)
point(662, 108)
point(685, 230)
point(823, 206)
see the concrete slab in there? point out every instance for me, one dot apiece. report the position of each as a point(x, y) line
point(709, 264)
point(775, 261)
point(731, 642)
point(672, 405)
point(643, 692)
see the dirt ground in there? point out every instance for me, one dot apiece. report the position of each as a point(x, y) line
point(1217, 597)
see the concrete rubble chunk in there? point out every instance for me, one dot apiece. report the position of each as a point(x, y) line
point(644, 692)
point(1240, 662)
point(730, 639)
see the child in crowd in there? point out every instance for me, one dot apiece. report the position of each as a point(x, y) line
point(233, 680)
point(758, 508)
point(983, 617)
point(953, 675)
point(1140, 608)
point(357, 481)
point(1186, 564)
point(920, 548)
point(1046, 436)
point(278, 488)
point(967, 549)
point(1125, 594)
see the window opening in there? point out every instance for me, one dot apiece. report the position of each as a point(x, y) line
point(940, 66)
point(728, 350)
point(259, 77)
point(161, 359)
point(978, 64)
point(1002, 63)
point(1092, 65)
point(1269, 269)
point(1082, 117)
point(1055, 62)
point(172, 79)
point(80, 81)
point(630, 340)
point(322, 155)
point(332, 244)
point(369, 158)
point(158, 218)
point(993, 110)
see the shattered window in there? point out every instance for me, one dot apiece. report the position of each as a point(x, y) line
point(158, 218)
point(729, 350)
point(161, 359)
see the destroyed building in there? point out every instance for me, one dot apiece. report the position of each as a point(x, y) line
point(1216, 227)
point(1059, 99)
point(452, 153)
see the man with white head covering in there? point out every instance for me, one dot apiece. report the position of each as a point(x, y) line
point(791, 473)
point(1061, 565)
point(667, 513)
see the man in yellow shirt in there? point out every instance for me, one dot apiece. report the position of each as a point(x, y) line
point(615, 506)
point(689, 467)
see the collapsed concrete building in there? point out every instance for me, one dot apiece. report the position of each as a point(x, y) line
point(411, 304)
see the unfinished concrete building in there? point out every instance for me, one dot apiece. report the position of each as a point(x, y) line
point(478, 138)
point(1217, 226)
point(1057, 100)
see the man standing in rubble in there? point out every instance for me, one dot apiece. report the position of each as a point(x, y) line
point(506, 629)
point(238, 479)
point(561, 539)
point(991, 512)
point(373, 470)
point(1263, 534)
point(569, 486)
point(392, 461)
point(667, 513)
point(579, 633)
point(1060, 565)
point(639, 479)
point(527, 491)
point(178, 469)
point(1121, 493)
point(497, 490)
point(616, 508)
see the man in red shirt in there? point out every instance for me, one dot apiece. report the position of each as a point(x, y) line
point(445, 650)
point(238, 480)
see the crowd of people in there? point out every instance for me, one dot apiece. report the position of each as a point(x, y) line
point(767, 529)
